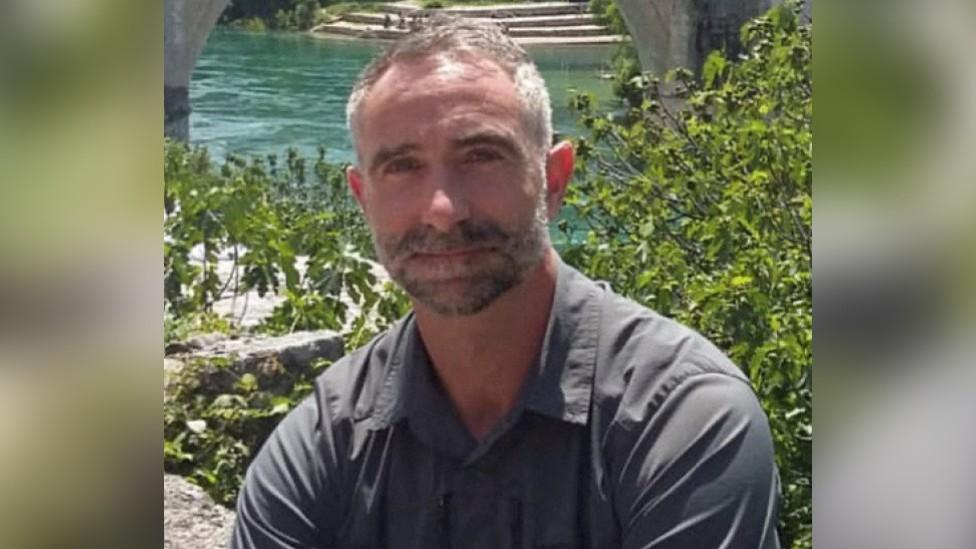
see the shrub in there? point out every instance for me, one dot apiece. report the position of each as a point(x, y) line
point(283, 20)
point(210, 437)
point(251, 24)
point(703, 212)
point(305, 14)
point(267, 215)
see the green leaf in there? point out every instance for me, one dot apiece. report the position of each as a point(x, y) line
point(713, 67)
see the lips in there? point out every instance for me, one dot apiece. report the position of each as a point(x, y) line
point(451, 253)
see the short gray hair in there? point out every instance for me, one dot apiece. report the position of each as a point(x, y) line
point(449, 35)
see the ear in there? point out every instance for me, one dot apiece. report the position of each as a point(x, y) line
point(559, 169)
point(355, 180)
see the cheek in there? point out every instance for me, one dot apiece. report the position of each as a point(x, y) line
point(511, 204)
point(390, 212)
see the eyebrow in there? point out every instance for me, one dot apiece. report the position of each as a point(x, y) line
point(386, 153)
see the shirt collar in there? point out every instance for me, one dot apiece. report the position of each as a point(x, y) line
point(561, 386)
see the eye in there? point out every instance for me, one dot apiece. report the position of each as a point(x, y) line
point(482, 154)
point(403, 164)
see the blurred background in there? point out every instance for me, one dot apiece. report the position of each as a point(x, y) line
point(894, 270)
point(80, 312)
point(894, 258)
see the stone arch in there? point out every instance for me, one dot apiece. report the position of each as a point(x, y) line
point(186, 25)
point(680, 33)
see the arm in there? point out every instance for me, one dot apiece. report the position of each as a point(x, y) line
point(699, 472)
point(285, 501)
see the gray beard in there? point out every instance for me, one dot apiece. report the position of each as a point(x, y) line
point(514, 255)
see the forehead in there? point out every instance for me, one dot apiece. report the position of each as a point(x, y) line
point(418, 95)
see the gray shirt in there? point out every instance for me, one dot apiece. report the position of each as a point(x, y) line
point(633, 431)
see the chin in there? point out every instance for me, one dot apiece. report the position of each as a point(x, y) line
point(460, 296)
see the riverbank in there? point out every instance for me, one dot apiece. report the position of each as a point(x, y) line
point(551, 23)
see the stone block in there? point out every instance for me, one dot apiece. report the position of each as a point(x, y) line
point(191, 519)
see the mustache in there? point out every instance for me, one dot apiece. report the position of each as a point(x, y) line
point(467, 234)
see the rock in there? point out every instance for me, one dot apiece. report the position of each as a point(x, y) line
point(191, 519)
point(171, 371)
point(295, 351)
point(222, 361)
point(204, 341)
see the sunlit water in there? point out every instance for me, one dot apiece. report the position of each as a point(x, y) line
point(260, 93)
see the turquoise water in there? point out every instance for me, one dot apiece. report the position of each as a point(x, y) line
point(260, 93)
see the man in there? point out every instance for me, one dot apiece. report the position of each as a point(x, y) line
point(520, 404)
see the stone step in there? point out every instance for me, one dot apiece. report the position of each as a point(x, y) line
point(606, 39)
point(548, 20)
point(377, 32)
point(359, 30)
point(498, 10)
point(512, 22)
point(578, 30)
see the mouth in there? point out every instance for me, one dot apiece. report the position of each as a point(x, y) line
point(460, 252)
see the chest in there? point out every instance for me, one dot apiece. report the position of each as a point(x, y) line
point(539, 486)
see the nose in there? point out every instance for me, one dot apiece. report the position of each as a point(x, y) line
point(447, 204)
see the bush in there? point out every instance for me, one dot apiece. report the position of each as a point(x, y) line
point(252, 24)
point(703, 212)
point(267, 216)
point(305, 14)
point(283, 20)
point(210, 437)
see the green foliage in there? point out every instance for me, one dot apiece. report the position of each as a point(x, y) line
point(252, 24)
point(274, 14)
point(268, 218)
point(209, 434)
point(608, 13)
point(177, 329)
point(341, 8)
point(261, 9)
point(305, 13)
point(697, 201)
point(290, 230)
point(283, 20)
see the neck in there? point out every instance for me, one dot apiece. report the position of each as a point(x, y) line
point(482, 360)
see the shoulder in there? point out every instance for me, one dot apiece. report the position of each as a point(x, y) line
point(342, 396)
point(681, 434)
point(644, 358)
point(309, 453)
point(348, 390)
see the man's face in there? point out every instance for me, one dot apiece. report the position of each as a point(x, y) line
point(452, 185)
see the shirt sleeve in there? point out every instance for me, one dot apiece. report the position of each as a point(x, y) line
point(285, 502)
point(700, 472)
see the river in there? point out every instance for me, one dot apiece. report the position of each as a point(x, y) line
point(260, 93)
